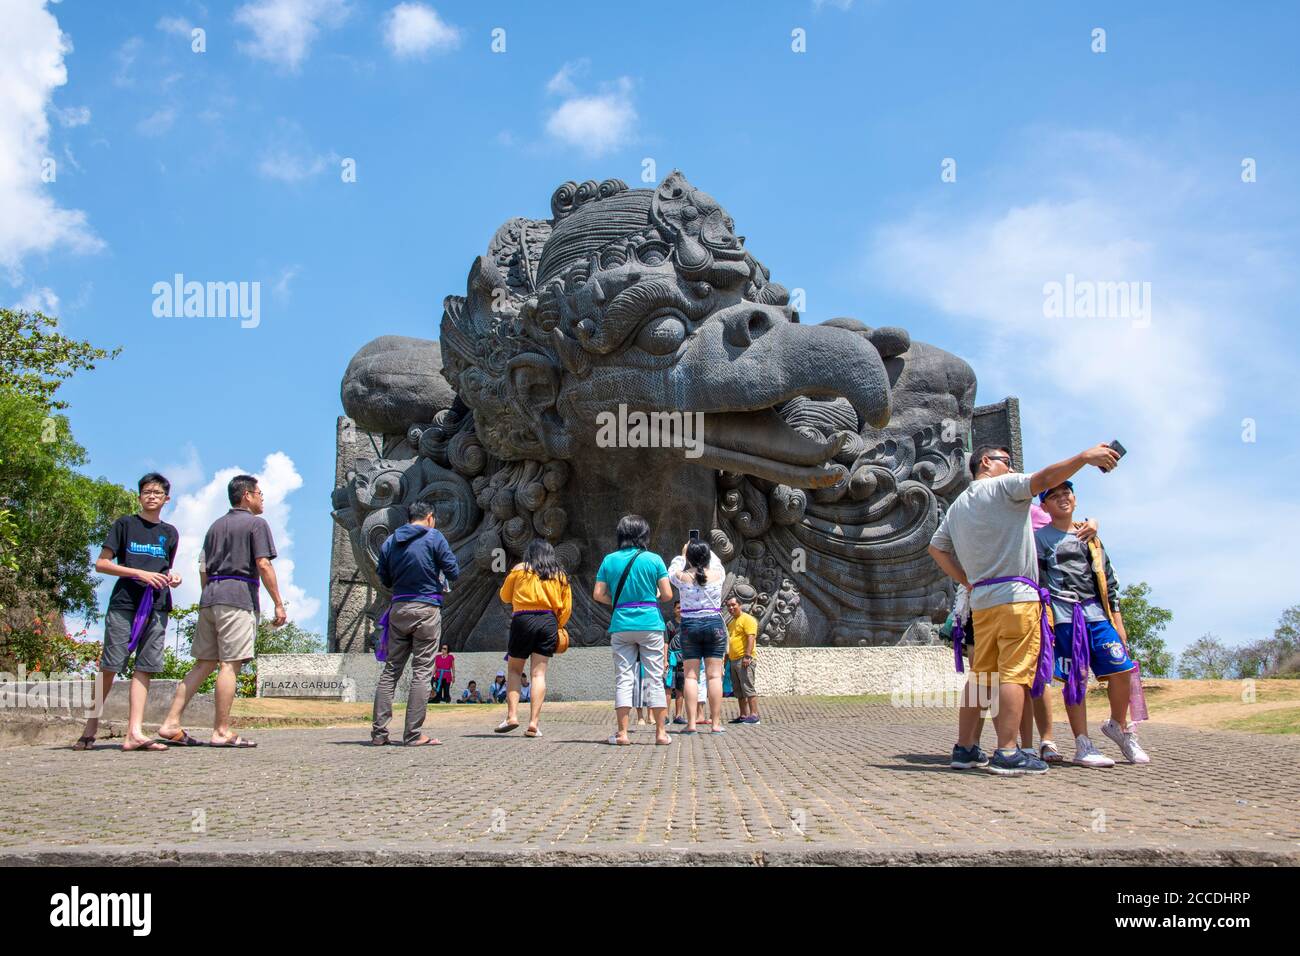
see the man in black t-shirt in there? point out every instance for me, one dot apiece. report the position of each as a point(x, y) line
point(140, 551)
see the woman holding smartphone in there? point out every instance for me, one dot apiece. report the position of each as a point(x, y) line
point(697, 573)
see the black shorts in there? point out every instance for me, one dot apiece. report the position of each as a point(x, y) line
point(533, 633)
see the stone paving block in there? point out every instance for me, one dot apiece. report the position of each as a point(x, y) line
point(822, 780)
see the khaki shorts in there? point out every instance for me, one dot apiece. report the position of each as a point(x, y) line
point(743, 678)
point(225, 633)
point(1006, 641)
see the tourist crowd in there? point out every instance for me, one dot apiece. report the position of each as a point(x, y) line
point(1037, 601)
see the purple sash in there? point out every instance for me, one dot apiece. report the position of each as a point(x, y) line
point(1076, 681)
point(381, 646)
point(638, 604)
point(539, 610)
point(1043, 674)
point(142, 612)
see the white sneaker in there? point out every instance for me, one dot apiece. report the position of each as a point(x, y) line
point(1127, 741)
point(1048, 752)
point(1086, 755)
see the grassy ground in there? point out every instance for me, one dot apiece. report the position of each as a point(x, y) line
point(1264, 707)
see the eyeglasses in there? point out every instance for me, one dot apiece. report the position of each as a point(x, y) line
point(153, 494)
point(1002, 458)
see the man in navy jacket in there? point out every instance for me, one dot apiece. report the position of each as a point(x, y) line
point(416, 564)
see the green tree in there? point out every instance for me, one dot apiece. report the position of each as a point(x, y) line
point(56, 514)
point(1286, 640)
point(1144, 623)
point(1208, 658)
point(35, 359)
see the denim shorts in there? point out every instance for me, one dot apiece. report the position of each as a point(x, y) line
point(1106, 653)
point(703, 636)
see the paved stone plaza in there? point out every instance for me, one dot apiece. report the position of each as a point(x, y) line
point(818, 782)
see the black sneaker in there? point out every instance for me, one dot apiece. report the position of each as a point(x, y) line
point(1015, 764)
point(968, 758)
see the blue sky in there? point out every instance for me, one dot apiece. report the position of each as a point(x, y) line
point(1122, 165)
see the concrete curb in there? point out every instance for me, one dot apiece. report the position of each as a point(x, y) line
point(244, 855)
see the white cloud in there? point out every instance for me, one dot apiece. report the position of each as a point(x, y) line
point(561, 84)
point(595, 124)
point(414, 30)
point(157, 122)
point(289, 158)
point(194, 511)
point(72, 116)
point(281, 288)
point(126, 55)
point(1103, 209)
point(291, 167)
point(32, 49)
point(178, 26)
point(184, 475)
point(39, 300)
point(284, 30)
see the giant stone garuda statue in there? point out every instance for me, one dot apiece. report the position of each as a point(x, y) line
point(827, 456)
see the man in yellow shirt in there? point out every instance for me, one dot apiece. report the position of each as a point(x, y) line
point(742, 635)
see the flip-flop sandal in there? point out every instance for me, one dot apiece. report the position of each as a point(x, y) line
point(379, 741)
point(663, 743)
point(426, 742)
point(532, 733)
point(153, 746)
point(613, 739)
point(504, 727)
point(235, 743)
point(84, 743)
point(718, 730)
point(184, 740)
point(688, 732)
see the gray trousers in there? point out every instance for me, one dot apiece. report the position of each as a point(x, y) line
point(414, 631)
point(654, 654)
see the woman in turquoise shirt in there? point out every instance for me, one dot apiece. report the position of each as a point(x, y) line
point(633, 581)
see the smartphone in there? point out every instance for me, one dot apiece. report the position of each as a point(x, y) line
point(1118, 448)
point(695, 534)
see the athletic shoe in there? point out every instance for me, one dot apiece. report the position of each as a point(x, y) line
point(736, 720)
point(751, 720)
point(968, 758)
point(1015, 764)
point(1087, 755)
point(1048, 753)
point(679, 720)
point(1127, 741)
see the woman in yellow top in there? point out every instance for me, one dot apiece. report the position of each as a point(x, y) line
point(538, 591)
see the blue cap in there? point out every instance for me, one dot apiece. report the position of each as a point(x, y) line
point(1042, 496)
